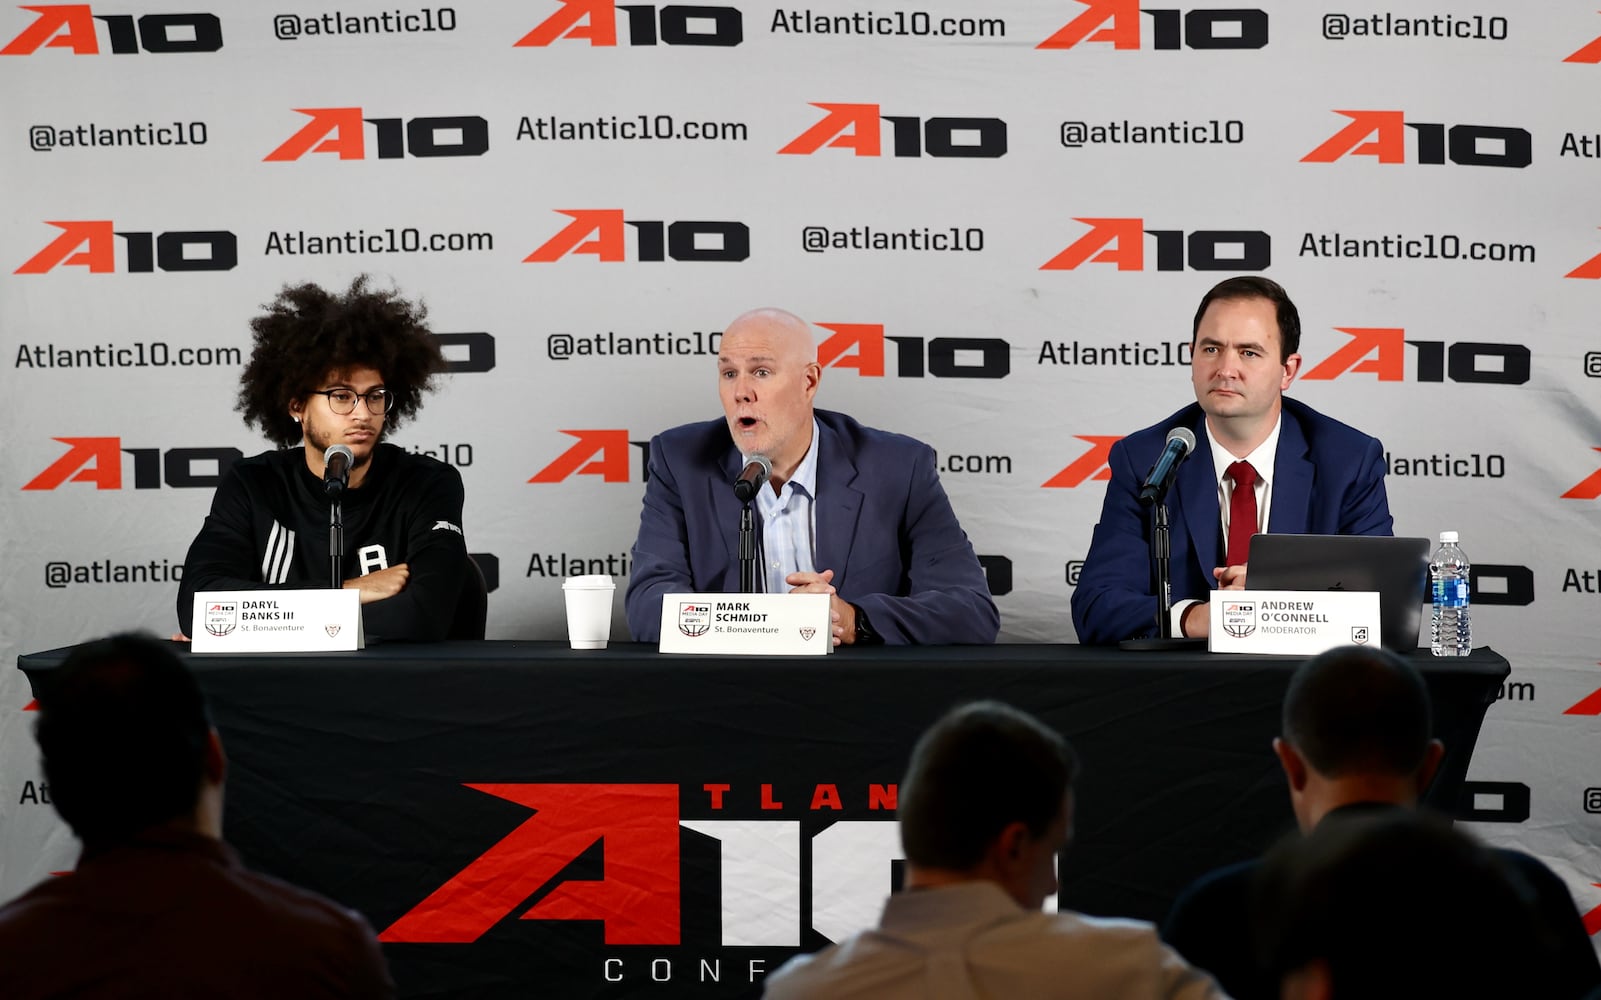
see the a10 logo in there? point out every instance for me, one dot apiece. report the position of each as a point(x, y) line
point(343, 132)
point(1117, 23)
point(1121, 242)
point(596, 21)
point(71, 26)
point(603, 234)
point(856, 127)
point(92, 244)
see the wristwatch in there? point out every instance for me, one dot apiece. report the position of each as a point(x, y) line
point(865, 636)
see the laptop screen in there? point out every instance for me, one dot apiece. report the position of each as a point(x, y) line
point(1396, 568)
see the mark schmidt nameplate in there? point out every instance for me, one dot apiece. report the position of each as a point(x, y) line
point(747, 624)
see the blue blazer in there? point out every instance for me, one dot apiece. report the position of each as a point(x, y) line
point(1328, 479)
point(884, 526)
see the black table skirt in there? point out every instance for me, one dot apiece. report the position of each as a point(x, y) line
point(350, 775)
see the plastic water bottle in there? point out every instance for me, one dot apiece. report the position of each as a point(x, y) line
point(1451, 632)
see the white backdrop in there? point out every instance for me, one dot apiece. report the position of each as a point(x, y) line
point(1424, 184)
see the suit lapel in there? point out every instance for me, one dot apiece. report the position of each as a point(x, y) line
point(1197, 490)
point(1289, 510)
point(839, 504)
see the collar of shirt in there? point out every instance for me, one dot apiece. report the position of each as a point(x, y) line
point(789, 522)
point(922, 914)
point(1261, 460)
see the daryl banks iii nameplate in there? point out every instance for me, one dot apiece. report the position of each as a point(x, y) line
point(747, 624)
point(1293, 622)
point(277, 621)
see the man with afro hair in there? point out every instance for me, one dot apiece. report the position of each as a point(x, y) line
point(338, 369)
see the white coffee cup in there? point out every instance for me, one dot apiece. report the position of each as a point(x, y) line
point(588, 610)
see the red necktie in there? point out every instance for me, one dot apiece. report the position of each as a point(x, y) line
point(1242, 512)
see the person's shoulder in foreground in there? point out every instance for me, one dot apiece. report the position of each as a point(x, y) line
point(159, 906)
point(1354, 746)
point(984, 809)
point(1012, 951)
point(880, 536)
point(1303, 473)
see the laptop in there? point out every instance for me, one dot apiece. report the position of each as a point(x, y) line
point(1396, 568)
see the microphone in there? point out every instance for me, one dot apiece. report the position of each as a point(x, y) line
point(758, 469)
point(1180, 442)
point(336, 470)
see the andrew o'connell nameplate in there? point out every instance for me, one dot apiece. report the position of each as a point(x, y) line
point(277, 621)
point(746, 624)
point(1294, 622)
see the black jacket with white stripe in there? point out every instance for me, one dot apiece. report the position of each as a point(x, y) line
point(268, 530)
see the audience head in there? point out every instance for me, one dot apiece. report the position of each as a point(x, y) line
point(1396, 904)
point(987, 795)
point(1356, 727)
point(125, 738)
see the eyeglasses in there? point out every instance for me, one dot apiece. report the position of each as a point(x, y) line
point(343, 401)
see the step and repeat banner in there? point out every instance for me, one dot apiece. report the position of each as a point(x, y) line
point(999, 216)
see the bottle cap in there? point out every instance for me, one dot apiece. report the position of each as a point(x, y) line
point(1447, 538)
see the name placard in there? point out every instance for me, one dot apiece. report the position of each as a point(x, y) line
point(277, 621)
point(747, 624)
point(1292, 622)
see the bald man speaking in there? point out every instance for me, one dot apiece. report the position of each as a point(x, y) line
point(849, 511)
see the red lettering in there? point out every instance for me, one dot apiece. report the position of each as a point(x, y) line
point(1090, 466)
point(611, 465)
point(63, 26)
point(866, 339)
point(1589, 269)
point(1387, 345)
point(1123, 240)
point(608, 244)
point(331, 130)
point(95, 460)
point(860, 119)
point(717, 792)
point(1123, 32)
point(100, 256)
point(1589, 489)
point(768, 802)
point(637, 900)
point(827, 797)
point(1389, 146)
point(882, 796)
point(591, 19)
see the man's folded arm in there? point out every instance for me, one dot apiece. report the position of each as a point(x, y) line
point(436, 563)
point(223, 554)
point(949, 598)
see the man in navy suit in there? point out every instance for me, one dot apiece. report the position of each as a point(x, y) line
point(1309, 474)
point(850, 511)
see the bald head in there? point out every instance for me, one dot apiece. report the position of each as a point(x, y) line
point(767, 374)
point(779, 327)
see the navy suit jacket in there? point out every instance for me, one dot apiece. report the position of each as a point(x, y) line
point(884, 526)
point(1328, 479)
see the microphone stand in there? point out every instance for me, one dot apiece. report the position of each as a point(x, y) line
point(336, 542)
point(1162, 563)
point(747, 551)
